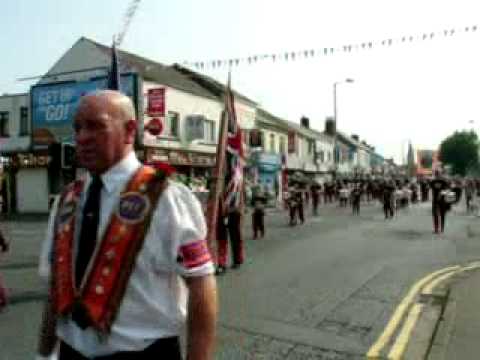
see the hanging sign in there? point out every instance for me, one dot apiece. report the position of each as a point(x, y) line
point(156, 102)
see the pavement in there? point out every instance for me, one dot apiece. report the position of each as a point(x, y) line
point(361, 269)
point(457, 332)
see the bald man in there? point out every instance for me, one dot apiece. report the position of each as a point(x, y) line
point(121, 246)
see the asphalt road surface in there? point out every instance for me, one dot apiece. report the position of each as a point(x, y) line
point(322, 290)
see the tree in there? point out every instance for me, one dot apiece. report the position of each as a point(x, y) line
point(460, 151)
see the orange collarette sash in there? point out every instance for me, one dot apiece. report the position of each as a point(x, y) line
point(106, 277)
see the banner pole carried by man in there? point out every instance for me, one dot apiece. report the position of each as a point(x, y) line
point(226, 201)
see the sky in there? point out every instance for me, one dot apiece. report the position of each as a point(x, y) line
point(418, 92)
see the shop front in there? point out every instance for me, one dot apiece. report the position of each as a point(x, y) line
point(24, 183)
point(188, 163)
point(267, 168)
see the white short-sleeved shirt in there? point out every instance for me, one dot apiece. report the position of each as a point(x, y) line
point(154, 304)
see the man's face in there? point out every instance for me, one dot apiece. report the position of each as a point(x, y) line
point(100, 133)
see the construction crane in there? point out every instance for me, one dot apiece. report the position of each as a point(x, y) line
point(127, 19)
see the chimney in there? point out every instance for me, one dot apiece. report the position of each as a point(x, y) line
point(356, 137)
point(305, 122)
point(330, 127)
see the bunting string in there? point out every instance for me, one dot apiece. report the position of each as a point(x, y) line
point(327, 51)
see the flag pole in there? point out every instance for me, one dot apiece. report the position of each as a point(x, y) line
point(217, 184)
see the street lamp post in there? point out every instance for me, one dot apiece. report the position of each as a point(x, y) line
point(348, 80)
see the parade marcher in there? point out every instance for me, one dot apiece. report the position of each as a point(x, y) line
point(315, 189)
point(328, 193)
point(4, 247)
point(222, 239)
point(414, 190)
point(295, 204)
point(356, 196)
point(388, 198)
point(343, 194)
point(129, 264)
point(300, 212)
point(258, 216)
point(457, 188)
point(370, 191)
point(439, 205)
point(469, 193)
point(235, 235)
point(424, 190)
point(292, 206)
point(231, 218)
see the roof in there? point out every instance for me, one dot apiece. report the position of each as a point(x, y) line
point(154, 71)
point(8, 95)
point(175, 76)
point(267, 117)
point(210, 83)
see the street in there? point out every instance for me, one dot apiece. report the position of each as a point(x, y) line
point(323, 290)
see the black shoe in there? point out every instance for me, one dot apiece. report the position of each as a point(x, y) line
point(236, 266)
point(220, 270)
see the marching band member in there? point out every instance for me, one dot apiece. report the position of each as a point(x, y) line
point(439, 205)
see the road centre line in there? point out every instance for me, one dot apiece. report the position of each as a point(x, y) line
point(394, 322)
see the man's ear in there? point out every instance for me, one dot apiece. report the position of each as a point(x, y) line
point(131, 130)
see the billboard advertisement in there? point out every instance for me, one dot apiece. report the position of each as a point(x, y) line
point(54, 105)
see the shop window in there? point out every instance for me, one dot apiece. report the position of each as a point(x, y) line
point(283, 149)
point(272, 143)
point(209, 131)
point(23, 121)
point(4, 115)
point(171, 124)
point(321, 156)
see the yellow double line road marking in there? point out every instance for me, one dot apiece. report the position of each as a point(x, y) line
point(375, 350)
point(400, 345)
point(428, 284)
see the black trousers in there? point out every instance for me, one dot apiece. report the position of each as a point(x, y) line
point(356, 207)
point(439, 213)
point(167, 349)
point(388, 210)
point(235, 234)
point(258, 223)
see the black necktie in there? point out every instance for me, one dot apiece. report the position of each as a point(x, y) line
point(89, 229)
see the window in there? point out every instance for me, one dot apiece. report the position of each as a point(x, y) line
point(171, 124)
point(311, 147)
point(329, 156)
point(246, 137)
point(23, 121)
point(4, 124)
point(283, 150)
point(209, 131)
point(272, 143)
point(321, 156)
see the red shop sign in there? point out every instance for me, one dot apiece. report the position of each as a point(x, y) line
point(156, 102)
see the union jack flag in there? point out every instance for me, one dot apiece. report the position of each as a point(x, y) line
point(235, 155)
